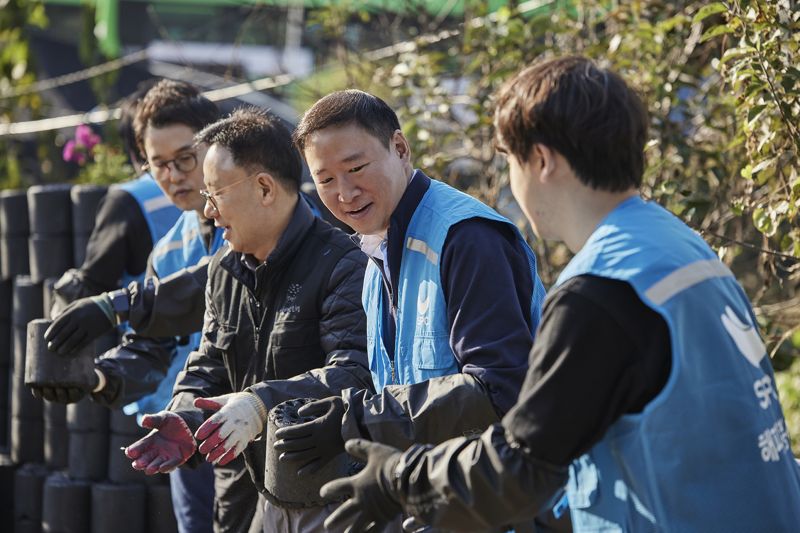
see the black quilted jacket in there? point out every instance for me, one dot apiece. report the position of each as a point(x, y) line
point(294, 327)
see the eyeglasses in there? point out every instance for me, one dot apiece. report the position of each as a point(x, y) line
point(210, 196)
point(184, 164)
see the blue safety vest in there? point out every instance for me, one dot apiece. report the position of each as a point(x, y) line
point(180, 248)
point(159, 212)
point(422, 344)
point(711, 451)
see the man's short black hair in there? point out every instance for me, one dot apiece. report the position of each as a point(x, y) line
point(349, 107)
point(586, 113)
point(171, 102)
point(128, 108)
point(257, 140)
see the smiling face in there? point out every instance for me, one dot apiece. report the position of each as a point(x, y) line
point(170, 143)
point(359, 179)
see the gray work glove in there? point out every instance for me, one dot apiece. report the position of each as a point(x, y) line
point(371, 502)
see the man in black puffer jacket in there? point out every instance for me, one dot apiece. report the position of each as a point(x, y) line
point(283, 316)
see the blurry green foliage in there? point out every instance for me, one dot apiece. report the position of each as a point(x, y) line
point(109, 164)
point(91, 53)
point(16, 72)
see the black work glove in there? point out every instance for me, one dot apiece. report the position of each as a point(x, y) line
point(372, 503)
point(63, 394)
point(81, 322)
point(312, 444)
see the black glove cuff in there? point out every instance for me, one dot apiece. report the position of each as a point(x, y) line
point(403, 468)
point(120, 303)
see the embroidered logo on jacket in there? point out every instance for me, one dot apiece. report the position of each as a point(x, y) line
point(289, 305)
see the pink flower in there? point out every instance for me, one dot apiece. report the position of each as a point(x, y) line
point(86, 137)
point(74, 152)
point(69, 151)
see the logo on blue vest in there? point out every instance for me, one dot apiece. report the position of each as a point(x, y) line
point(425, 297)
point(745, 337)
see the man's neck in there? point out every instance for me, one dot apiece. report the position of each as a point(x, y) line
point(275, 225)
point(585, 210)
point(382, 233)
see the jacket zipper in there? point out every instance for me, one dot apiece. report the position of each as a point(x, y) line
point(257, 323)
point(260, 312)
point(394, 314)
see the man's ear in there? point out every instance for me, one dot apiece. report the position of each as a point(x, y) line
point(267, 187)
point(400, 144)
point(545, 160)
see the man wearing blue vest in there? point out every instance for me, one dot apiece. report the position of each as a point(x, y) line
point(169, 116)
point(141, 372)
point(130, 219)
point(649, 393)
point(451, 292)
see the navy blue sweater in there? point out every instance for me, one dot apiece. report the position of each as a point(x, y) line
point(487, 287)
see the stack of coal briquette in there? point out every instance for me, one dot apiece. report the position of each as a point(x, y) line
point(61, 467)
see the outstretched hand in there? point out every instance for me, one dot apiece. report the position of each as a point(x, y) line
point(165, 448)
point(371, 502)
point(238, 420)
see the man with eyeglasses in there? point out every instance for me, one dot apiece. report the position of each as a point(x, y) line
point(283, 312)
point(142, 370)
point(130, 219)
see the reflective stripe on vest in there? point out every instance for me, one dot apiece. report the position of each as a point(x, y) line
point(422, 342)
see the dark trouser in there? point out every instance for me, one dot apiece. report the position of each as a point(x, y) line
point(193, 498)
point(238, 507)
point(279, 519)
point(287, 520)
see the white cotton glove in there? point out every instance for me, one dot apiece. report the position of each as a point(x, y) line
point(238, 420)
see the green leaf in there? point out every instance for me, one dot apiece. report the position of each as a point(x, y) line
point(786, 242)
point(788, 82)
point(716, 31)
point(796, 339)
point(767, 163)
point(753, 88)
point(744, 74)
point(707, 11)
point(37, 16)
point(671, 23)
point(754, 111)
point(738, 51)
point(763, 221)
